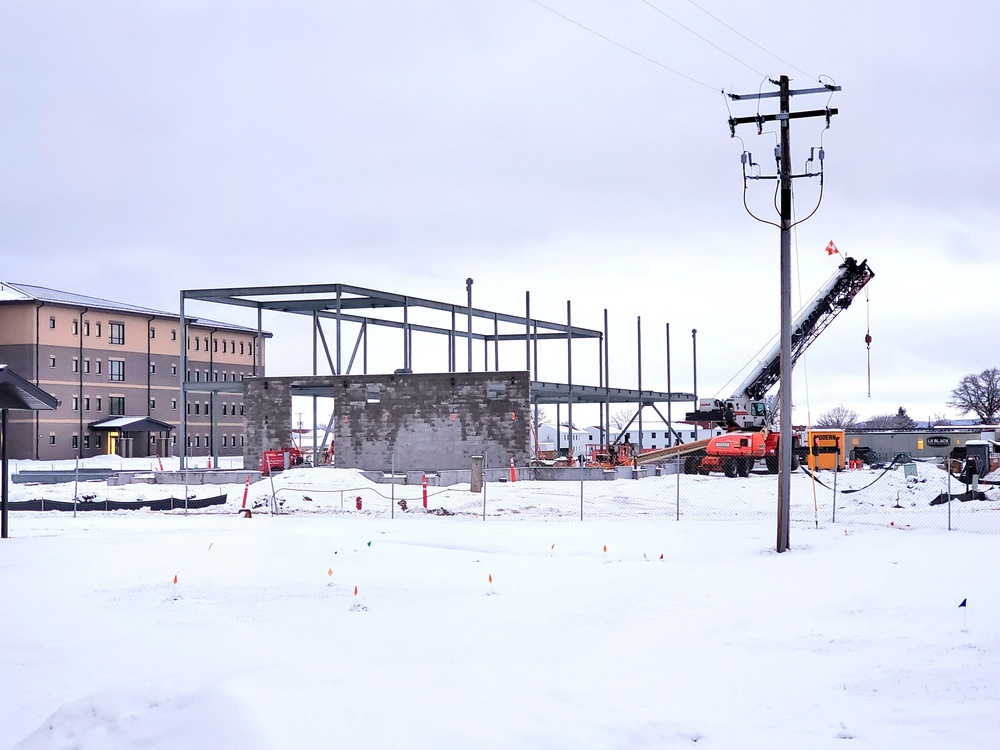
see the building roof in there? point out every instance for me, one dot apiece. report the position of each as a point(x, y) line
point(132, 424)
point(18, 393)
point(10, 292)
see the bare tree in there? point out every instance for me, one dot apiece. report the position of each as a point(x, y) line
point(979, 394)
point(621, 418)
point(541, 418)
point(839, 417)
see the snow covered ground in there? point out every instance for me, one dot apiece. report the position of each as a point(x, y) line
point(328, 627)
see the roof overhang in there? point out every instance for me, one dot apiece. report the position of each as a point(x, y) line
point(132, 424)
point(18, 393)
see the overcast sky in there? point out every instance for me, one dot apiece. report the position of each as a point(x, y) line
point(151, 147)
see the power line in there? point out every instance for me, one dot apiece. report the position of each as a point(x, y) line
point(706, 41)
point(622, 46)
point(763, 49)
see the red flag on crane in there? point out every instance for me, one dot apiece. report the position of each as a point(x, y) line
point(831, 248)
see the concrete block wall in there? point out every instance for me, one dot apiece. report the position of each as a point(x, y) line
point(431, 422)
point(411, 422)
point(267, 409)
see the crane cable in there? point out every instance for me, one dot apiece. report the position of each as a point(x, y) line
point(868, 338)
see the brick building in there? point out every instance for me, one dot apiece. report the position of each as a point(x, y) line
point(114, 368)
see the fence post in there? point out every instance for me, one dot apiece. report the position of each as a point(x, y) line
point(678, 473)
point(949, 495)
point(484, 485)
point(582, 470)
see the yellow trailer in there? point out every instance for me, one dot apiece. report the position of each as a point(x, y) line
point(827, 449)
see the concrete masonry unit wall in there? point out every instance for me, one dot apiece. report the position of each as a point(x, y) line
point(406, 422)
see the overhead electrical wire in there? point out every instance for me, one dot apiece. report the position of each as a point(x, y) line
point(622, 46)
point(706, 41)
point(763, 49)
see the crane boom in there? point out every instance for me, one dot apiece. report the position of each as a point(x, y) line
point(747, 403)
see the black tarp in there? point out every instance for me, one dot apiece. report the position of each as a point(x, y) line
point(167, 503)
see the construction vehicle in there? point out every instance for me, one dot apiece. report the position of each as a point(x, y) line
point(280, 459)
point(744, 413)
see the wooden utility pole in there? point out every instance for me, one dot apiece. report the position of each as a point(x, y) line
point(784, 176)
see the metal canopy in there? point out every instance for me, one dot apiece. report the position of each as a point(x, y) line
point(18, 393)
point(132, 424)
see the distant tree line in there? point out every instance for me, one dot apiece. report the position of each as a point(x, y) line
point(976, 394)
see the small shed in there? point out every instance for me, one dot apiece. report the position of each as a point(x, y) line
point(15, 393)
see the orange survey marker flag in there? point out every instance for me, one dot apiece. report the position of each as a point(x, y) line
point(831, 248)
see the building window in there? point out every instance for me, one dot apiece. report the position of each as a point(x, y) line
point(86, 366)
point(97, 332)
point(173, 334)
point(52, 438)
point(86, 403)
point(206, 344)
point(215, 375)
point(152, 332)
point(197, 376)
point(76, 365)
point(173, 404)
point(197, 441)
point(197, 407)
point(75, 401)
point(116, 370)
point(241, 347)
point(232, 348)
point(116, 406)
point(98, 364)
point(241, 410)
point(117, 333)
point(188, 376)
point(197, 344)
point(223, 346)
point(241, 441)
point(97, 407)
point(224, 441)
point(152, 403)
point(224, 407)
point(75, 441)
point(86, 441)
point(52, 322)
point(173, 369)
point(76, 332)
point(152, 368)
point(52, 361)
point(86, 332)
point(215, 345)
point(189, 408)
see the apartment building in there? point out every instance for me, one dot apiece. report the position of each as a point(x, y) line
point(115, 369)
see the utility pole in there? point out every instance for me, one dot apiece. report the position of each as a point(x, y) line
point(785, 176)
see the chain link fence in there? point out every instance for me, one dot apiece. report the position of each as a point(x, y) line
point(907, 496)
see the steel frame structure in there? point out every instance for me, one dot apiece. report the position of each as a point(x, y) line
point(341, 303)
